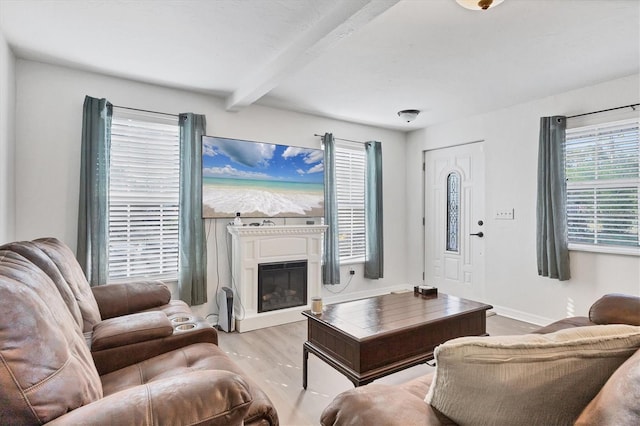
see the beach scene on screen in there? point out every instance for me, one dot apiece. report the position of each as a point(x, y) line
point(260, 179)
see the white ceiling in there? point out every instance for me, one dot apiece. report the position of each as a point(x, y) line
point(357, 60)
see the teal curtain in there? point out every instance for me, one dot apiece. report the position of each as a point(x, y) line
point(551, 214)
point(192, 263)
point(374, 246)
point(331, 256)
point(94, 189)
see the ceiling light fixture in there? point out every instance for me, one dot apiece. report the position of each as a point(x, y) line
point(408, 115)
point(478, 4)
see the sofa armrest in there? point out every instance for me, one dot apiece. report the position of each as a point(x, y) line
point(379, 404)
point(616, 309)
point(129, 329)
point(127, 298)
point(570, 322)
point(114, 358)
point(211, 397)
point(617, 401)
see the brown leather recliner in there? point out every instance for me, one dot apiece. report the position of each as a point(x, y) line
point(122, 323)
point(48, 374)
point(404, 404)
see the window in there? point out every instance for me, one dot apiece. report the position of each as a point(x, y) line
point(453, 210)
point(603, 186)
point(144, 176)
point(350, 168)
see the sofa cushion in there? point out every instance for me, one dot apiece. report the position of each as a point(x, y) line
point(74, 276)
point(30, 251)
point(378, 404)
point(618, 402)
point(175, 307)
point(418, 386)
point(527, 379)
point(197, 357)
point(46, 369)
point(211, 398)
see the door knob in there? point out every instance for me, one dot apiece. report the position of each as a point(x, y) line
point(478, 234)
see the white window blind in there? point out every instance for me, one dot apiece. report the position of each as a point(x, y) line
point(144, 178)
point(350, 176)
point(603, 184)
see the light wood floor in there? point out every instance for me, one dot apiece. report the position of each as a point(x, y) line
point(273, 358)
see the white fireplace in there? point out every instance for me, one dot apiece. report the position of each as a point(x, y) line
point(256, 245)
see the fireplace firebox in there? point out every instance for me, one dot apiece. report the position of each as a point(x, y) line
point(282, 285)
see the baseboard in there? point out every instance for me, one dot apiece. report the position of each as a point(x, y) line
point(521, 316)
point(337, 298)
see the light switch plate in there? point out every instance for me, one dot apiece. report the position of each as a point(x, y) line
point(504, 214)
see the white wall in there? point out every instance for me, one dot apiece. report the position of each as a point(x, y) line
point(47, 149)
point(511, 147)
point(48, 126)
point(7, 141)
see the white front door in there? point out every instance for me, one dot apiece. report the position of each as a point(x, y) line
point(454, 231)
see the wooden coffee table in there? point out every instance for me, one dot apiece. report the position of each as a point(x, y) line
point(369, 338)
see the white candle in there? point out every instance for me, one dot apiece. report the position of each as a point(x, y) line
point(316, 305)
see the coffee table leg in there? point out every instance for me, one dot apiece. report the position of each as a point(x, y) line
point(305, 358)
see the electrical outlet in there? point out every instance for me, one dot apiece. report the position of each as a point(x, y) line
point(352, 272)
point(506, 214)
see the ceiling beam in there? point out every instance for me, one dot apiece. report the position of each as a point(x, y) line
point(344, 19)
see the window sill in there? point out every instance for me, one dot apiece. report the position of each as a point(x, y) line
point(626, 251)
point(351, 261)
point(162, 279)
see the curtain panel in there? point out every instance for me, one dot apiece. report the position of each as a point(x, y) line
point(94, 189)
point(192, 262)
point(551, 213)
point(374, 245)
point(331, 260)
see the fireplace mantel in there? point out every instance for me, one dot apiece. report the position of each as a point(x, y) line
point(254, 245)
point(245, 231)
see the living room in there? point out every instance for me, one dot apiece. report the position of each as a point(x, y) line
point(41, 184)
point(40, 131)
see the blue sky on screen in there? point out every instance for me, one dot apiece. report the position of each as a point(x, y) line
point(239, 159)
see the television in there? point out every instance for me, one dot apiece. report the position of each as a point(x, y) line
point(260, 180)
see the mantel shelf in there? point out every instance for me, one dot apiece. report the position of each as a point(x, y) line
point(245, 231)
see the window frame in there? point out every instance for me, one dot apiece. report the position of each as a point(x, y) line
point(595, 185)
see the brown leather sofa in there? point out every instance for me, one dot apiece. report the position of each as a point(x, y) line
point(617, 403)
point(116, 354)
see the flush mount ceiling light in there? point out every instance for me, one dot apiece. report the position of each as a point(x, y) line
point(408, 115)
point(478, 4)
